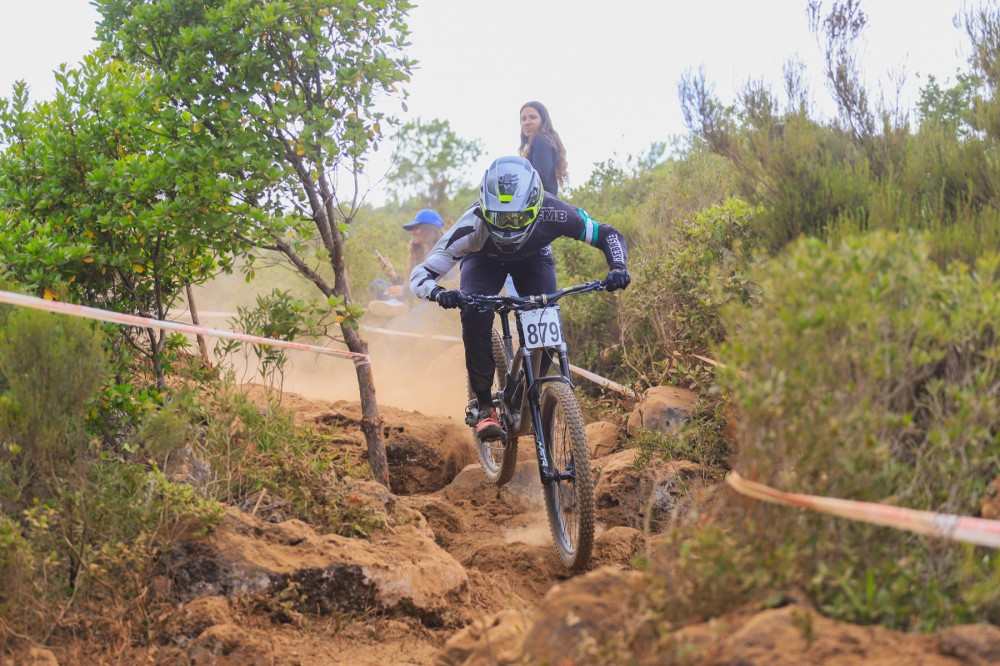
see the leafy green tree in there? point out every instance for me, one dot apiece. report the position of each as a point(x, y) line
point(432, 160)
point(950, 107)
point(281, 96)
point(104, 193)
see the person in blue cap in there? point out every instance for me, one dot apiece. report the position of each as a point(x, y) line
point(425, 229)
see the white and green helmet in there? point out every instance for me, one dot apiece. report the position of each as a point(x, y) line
point(509, 198)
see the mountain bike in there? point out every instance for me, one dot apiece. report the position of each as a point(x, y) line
point(533, 393)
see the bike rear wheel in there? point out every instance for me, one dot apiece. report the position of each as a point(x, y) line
point(569, 501)
point(498, 458)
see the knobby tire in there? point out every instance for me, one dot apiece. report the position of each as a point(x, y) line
point(497, 458)
point(570, 502)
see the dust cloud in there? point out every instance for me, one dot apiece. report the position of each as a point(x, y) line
point(532, 529)
point(413, 374)
point(417, 358)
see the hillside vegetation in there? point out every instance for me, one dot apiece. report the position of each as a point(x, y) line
point(845, 272)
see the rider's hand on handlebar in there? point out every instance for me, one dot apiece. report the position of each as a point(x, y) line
point(450, 298)
point(618, 278)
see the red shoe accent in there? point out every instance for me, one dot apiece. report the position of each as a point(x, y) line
point(488, 426)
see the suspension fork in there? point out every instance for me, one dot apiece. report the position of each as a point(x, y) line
point(534, 395)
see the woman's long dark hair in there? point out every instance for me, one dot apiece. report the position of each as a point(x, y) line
point(553, 136)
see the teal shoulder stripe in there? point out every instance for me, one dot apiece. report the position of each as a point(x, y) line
point(590, 228)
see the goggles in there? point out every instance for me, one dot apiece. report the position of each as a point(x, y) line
point(513, 220)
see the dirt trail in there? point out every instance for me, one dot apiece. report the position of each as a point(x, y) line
point(499, 536)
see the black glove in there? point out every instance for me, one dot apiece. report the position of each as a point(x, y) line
point(618, 278)
point(449, 298)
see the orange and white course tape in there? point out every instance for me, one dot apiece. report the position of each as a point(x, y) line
point(133, 320)
point(978, 531)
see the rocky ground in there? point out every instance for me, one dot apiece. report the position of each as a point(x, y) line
point(467, 574)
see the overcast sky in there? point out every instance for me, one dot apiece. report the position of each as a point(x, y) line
point(608, 71)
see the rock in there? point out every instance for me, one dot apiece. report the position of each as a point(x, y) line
point(229, 645)
point(523, 491)
point(794, 635)
point(34, 656)
point(602, 437)
point(471, 484)
point(526, 484)
point(974, 644)
point(380, 502)
point(444, 520)
point(492, 641)
point(578, 611)
point(664, 408)
point(400, 572)
point(425, 453)
point(560, 631)
point(617, 546)
point(641, 498)
point(191, 619)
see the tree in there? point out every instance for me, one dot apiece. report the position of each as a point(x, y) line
point(432, 160)
point(282, 95)
point(104, 194)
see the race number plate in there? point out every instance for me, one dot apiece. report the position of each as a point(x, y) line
point(542, 328)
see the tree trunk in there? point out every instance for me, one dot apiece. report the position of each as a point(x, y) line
point(371, 419)
point(194, 320)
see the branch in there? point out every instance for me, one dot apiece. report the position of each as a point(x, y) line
point(302, 266)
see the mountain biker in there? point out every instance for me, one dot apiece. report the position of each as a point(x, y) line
point(507, 232)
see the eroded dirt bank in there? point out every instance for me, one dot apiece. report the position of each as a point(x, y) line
point(465, 573)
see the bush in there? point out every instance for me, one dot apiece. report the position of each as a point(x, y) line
point(648, 203)
point(672, 313)
point(251, 449)
point(870, 374)
point(79, 520)
point(52, 366)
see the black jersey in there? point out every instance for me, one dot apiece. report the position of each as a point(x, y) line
point(556, 219)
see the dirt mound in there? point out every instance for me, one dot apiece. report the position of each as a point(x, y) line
point(424, 452)
point(466, 573)
point(599, 618)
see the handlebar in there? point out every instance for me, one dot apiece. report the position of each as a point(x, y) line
point(502, 304)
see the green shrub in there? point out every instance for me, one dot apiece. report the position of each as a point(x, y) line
point(869, 374)
point(52, 365)
point(96, 543)
point(251, 449)
point(80, 520)
point(277, 315)
point(648, 203)
point(673, 311)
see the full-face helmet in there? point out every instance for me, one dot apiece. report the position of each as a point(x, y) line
point(509, 198)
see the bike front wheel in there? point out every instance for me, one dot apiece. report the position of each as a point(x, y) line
point(569, 499)
point(498, 458)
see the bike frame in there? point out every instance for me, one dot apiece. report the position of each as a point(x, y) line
point(529, 369)
point(535, 366)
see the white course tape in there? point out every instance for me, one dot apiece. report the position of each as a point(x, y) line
point(586, 374)
point(978, 531)
point(133, 320)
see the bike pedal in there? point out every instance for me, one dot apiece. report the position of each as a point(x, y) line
point(472, 414)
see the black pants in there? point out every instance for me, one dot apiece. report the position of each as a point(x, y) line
point(485, 275)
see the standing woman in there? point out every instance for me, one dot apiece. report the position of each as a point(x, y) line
point(541, 145)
